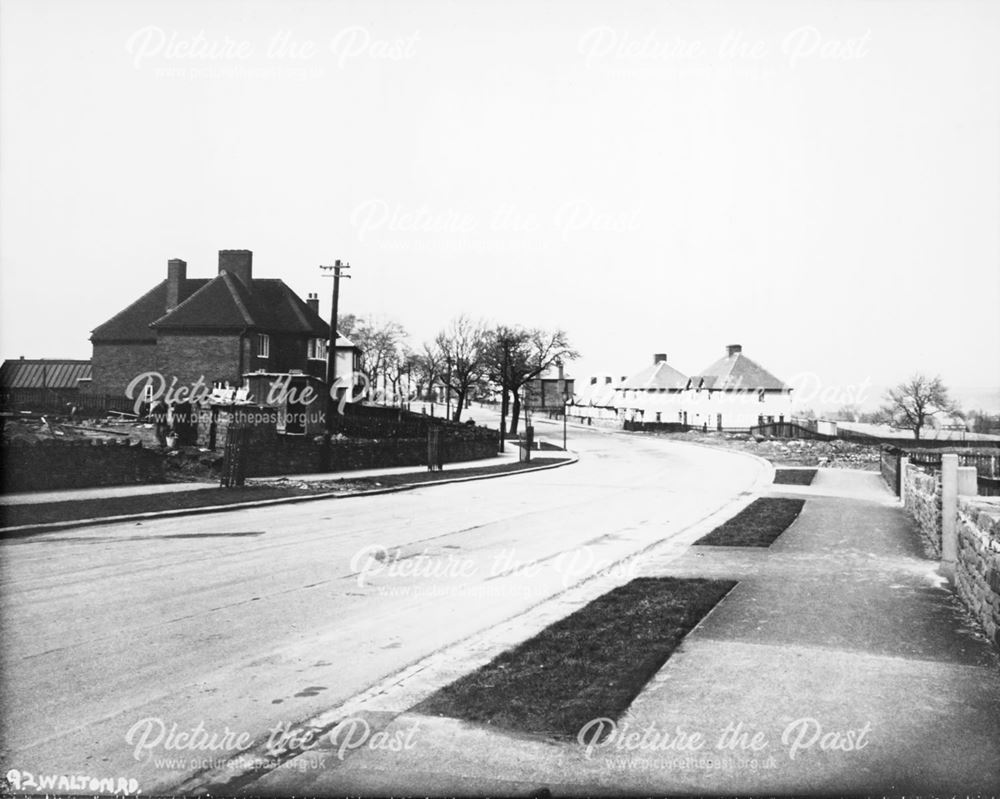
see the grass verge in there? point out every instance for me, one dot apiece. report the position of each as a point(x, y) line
point(587, 666)
point(78, 509)
point(757, 525)
point(794, 477)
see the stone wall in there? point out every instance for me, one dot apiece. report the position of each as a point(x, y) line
point(977, 570)
point(288, 455)
point(56, 465)
point(922, 495)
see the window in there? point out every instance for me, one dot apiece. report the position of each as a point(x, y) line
point(263, 345)
point(317, 349)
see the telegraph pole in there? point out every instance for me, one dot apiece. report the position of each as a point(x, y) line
point(331, 352)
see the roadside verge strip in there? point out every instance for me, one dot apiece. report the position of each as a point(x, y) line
point(757, 525)
point(587, 666)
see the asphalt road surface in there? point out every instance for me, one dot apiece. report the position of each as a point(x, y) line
point(142, 651)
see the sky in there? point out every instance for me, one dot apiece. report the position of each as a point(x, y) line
point(816, 181)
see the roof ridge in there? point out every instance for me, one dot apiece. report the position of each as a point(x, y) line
point(290, 297)
point(228, 280)
point(191, 296)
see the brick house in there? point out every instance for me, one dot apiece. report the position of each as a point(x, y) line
point(549, 389)
point(215, 329)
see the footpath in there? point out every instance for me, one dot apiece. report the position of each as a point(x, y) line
point(40, 511)
point(841, 663)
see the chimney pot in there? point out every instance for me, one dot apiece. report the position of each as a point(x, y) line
point(176, 275)
point(593, 381)
point(659, 357)
point(607, 381)
point(238, 263)
point(733, 349)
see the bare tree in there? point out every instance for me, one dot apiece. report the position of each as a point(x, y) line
point(380, 342)
point(396, 367)
point(911, 404)
point(427, 369)
point(463, 346)
point(518, 355)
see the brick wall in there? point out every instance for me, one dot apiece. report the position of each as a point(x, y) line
point(977, 570)
point(922, 493)
point(287, 352)
point(54, 465)
point(116, 365)
point(190, 356)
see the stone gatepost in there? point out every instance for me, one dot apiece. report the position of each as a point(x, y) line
point(949, 514)
point(904, 462)
point(968, 481)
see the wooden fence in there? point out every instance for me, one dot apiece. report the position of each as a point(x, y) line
point(56, 401)
point(987, 466)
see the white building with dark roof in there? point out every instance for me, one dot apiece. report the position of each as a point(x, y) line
point(734, 393)
point(655, 394)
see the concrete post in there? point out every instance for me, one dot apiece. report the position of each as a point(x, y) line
point(904, 463)
point(968, 482)
point(949, 514)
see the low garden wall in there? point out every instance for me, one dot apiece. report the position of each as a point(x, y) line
point(51, 465)
point(977, 570)
point(922, 497)
point(280, 455)
point(976, 576)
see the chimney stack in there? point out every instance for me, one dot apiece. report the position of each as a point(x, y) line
point(176, 275)
point(593, 380)
point(659, 357)
point(733, 349)
point(238, 263)
point(313, 302)
point(607, 380)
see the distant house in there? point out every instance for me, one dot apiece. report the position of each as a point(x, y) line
point(735, 392)
point(599, 392)
point(655, 394)
point(550, 389)
point(42, 380)
point(216, 329)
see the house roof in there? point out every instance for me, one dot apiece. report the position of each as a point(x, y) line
point(219, 303)
point(132, 322)
point(657, 376)
point(737, 371)
point(44, 373)
point(598, 393)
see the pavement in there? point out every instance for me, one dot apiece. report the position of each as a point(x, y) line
point(841, 663)
point(107, 492)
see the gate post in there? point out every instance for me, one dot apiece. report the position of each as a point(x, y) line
point(949, 514)
point(435, 459)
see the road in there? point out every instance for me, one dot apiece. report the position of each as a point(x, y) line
point(120, 639)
